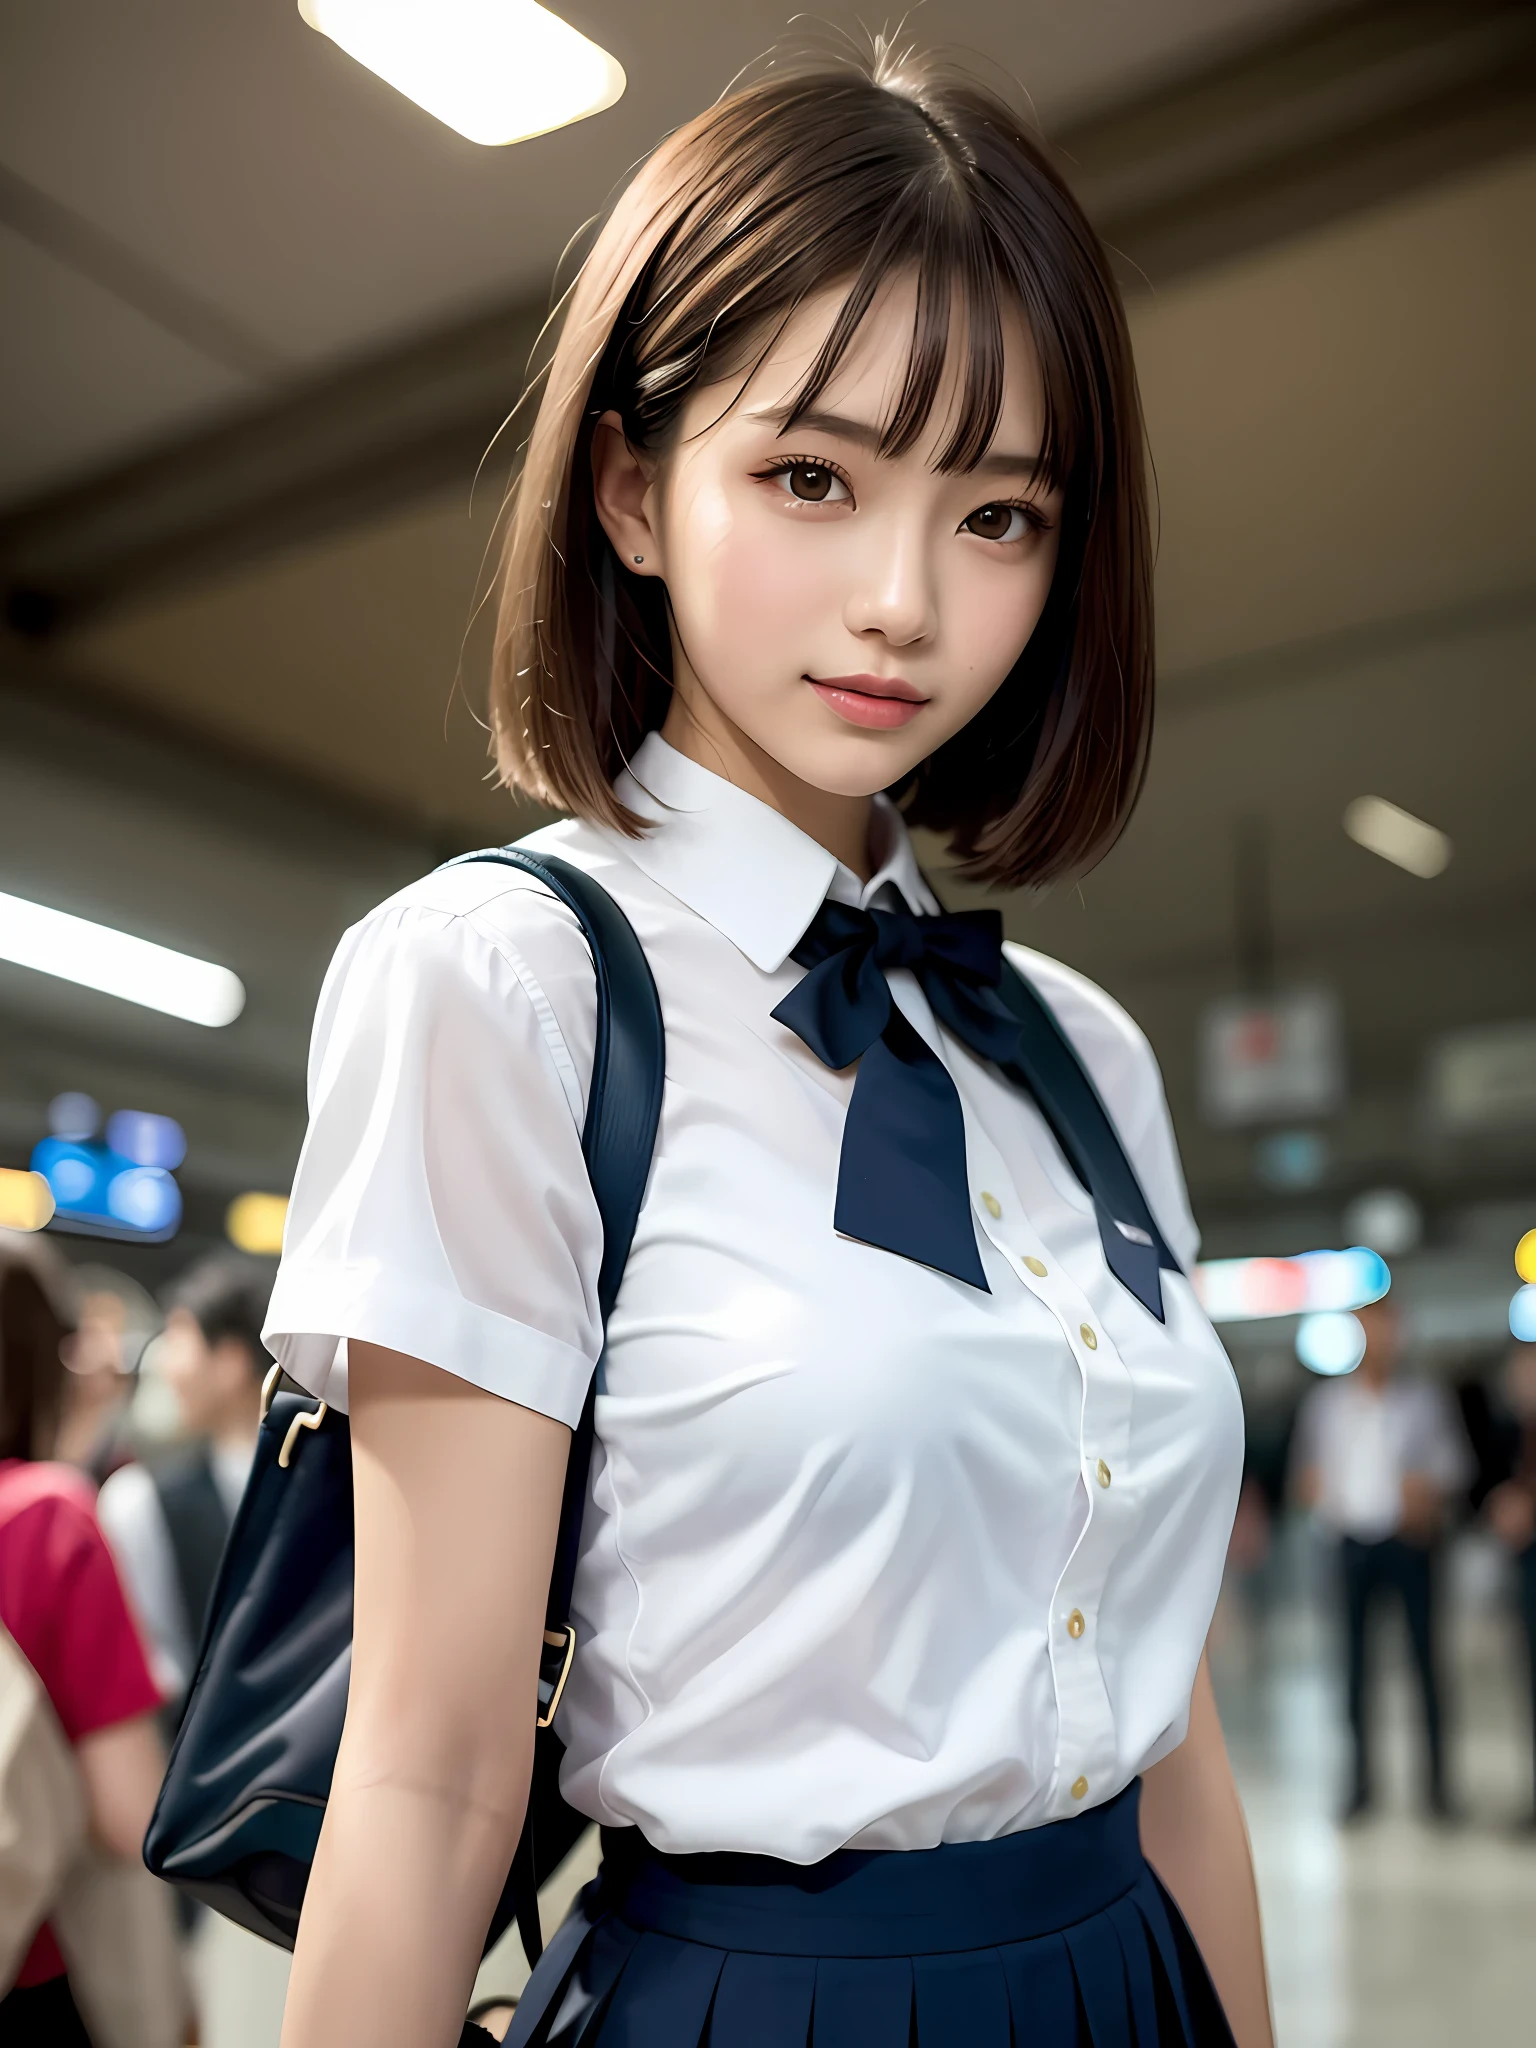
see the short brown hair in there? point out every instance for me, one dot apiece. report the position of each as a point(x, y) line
point(34, 1323)
point(846, 173)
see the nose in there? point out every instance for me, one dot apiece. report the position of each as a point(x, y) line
point(893, 598)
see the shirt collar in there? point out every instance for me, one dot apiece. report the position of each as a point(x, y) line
point(742, 866)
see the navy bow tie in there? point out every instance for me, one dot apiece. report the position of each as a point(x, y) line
point(902, 1182)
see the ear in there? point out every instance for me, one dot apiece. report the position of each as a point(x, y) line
point(621, 491)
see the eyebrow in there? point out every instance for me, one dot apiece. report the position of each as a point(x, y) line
point(861, 435)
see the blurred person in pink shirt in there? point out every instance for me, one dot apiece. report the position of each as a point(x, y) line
point(61, 1601)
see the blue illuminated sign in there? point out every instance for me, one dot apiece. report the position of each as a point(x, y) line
point(121, 1187)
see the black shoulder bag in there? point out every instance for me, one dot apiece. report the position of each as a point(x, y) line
point(238, 1817)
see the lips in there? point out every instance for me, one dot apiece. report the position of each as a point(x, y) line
point(879, 703)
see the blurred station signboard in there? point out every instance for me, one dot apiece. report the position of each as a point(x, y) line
point(1266, 1058)
point(1484, 1079)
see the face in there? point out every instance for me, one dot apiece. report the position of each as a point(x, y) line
point(208, 1380)
point(1382, 1339)
point(837, 615)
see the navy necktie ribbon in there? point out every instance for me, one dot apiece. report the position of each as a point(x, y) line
point(902, 1181)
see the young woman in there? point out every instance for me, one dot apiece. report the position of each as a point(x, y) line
point(914, 1473)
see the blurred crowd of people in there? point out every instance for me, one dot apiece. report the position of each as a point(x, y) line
point(121, 1465)
point(124, 1447)
point(1392, 1466)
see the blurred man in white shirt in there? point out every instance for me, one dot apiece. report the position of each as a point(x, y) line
point(167, 1520)
point(1379, 1459)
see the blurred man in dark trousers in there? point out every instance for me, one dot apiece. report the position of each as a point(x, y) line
point(1510, 1503)
point(1379, 1459)
point(167, 1519)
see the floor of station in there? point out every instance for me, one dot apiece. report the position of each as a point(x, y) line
point(1395, 1932)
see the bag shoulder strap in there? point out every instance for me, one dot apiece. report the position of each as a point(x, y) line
point(617, 1140)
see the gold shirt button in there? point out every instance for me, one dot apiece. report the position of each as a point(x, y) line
point(1085, 1331)
point(1079, 1788)
point(1075, 1623)
point(991, 1204)
point(1101, 1473)
point(1035, 1266)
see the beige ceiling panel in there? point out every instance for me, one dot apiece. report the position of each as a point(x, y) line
point(86, 378)
point(251, 160)
point(338, 661)
point(1344, 428)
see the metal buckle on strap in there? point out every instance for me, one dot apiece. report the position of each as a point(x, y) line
point(550, 1690)
point(307, 1418)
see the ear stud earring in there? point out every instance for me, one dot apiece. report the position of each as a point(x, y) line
point(637, 558)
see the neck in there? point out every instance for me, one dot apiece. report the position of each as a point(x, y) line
point(696, 727)
point(238, 1429)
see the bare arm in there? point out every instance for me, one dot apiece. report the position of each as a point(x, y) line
point(121, 1768)
point(1194, 1836)
point(457, 1504)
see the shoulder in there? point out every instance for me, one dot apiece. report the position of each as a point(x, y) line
point(1123, 1067)
point(480, 905)
point(128, 1499)
point(1108, 1041)
point(477, 935)
point(1107, 1038)
point(38, 1497)
point(474, 905)
point(50, 1532)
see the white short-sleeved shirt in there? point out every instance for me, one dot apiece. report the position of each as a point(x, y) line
point(1365, 1441)
point(871, 1557)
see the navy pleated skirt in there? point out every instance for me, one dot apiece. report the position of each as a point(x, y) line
point(1058, 1937)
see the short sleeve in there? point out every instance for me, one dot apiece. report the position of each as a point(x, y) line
point(66, 1609)
point(441, 1205)
point(1123, 1067)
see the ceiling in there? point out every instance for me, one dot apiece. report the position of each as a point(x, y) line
point(269, 313)
point(204, 203)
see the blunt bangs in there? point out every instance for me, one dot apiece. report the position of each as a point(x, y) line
point(847, 177)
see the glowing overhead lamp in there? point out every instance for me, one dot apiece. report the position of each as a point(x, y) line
point(26, 1200)
point(1398, 836)
point(1247, 1290)
point(1330, 1343)
point(497, 71)
point(255, 1222)
point(96, 956)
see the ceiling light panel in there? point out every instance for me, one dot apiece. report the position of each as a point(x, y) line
point(497, 71)
point(1398, 836)
point(117, 963)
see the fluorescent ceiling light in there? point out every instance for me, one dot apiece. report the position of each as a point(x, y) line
point(1398, 836)
point(254, 1223)
point(1247, 1290)
point(96, 956)
point(496, 70)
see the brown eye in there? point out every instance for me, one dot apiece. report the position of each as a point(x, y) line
point(810, 483)
point(997, 522)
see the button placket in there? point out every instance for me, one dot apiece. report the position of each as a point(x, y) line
point(1086, 1743)
point(1087, 1747)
